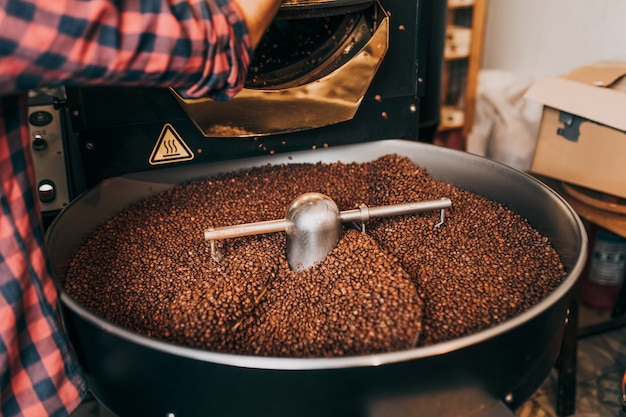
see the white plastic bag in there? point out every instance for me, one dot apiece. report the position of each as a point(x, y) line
point(505, 123)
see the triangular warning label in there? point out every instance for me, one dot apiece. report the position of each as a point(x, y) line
point(170, 148)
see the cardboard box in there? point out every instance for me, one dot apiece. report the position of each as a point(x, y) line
point(582, 136)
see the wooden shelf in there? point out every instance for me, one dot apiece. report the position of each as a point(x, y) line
point(462, 62)
point(612, 221)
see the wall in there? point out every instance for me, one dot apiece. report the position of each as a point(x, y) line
point(535, 38)
point(526, 40)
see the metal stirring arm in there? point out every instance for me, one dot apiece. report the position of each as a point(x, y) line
point(363, 214)
point(245, 229)
point(313, 226)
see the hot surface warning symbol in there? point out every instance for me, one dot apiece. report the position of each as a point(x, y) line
point(170, 148)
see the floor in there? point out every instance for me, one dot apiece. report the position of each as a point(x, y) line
point(600, 367)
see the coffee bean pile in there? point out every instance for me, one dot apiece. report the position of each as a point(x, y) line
point(358, 300)
point(404, 283)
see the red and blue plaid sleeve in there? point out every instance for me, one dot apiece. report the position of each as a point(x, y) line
point(202, 45)
point(39, 375)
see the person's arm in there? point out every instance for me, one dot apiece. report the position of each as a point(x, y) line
point(258, 15)
point(201, 47)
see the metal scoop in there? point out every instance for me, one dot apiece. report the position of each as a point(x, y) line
point(313, 226)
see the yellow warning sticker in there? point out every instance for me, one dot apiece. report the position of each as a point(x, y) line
point(170, 148)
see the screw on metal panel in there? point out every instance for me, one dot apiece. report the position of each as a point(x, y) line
point(89, 146)
point(509, 398)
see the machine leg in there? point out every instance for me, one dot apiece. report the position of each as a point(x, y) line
point(566, 364)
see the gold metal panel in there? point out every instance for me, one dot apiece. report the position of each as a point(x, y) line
point(331, 99)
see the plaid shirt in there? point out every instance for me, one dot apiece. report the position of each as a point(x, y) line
point(200, 44)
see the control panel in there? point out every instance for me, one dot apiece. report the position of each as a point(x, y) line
point(47, 149)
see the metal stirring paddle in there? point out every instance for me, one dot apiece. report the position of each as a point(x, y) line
point(313, 226)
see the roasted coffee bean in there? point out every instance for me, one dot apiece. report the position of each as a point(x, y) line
point(403, 283)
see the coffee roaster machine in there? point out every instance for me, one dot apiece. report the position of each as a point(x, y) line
point(332, 80)
point(327, 72)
